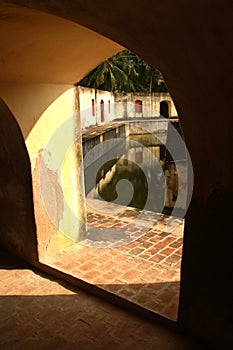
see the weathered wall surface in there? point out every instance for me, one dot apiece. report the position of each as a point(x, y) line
point(107, 112)
point(55, 150)
point(98, 106)
point(92, 111)
point(30, 40)
point(189, 42)
point(42, 110)
point(125, 105)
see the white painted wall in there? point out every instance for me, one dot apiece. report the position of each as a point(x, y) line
point(89, 115)
point(119, 106)
point(125, 105)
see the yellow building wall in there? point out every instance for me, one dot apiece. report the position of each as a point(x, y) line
point(48, 120)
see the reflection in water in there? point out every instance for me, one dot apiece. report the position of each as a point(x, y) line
point(137, 164)
point(143, 177)
point(124, 175)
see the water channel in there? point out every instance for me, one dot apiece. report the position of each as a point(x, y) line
point(138, 170)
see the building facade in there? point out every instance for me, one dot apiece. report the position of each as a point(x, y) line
point(100, 107)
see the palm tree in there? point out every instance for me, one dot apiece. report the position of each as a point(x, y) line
point(151, 78)
point(116, 74)
point(124, 72)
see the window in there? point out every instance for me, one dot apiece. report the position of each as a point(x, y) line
point(93, 107)
point(138, 106)
point(164, 109)
point(102, 110)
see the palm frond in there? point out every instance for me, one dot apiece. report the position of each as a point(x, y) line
point(125, 72)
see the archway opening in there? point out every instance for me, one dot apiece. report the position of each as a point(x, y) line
point(114, 235)
point(164, 109)
point(104, 263)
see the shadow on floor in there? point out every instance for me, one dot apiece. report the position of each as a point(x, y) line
point(77, 322)
point(40, 313)
point(10, 261)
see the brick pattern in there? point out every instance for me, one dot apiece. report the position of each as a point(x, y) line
point(146, 270)
point(40, 313)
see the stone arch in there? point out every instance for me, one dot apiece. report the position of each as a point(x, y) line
point(18, 230)
point(195, 44)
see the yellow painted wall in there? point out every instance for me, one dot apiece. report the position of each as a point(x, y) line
point(28, 101)
point(47, 117)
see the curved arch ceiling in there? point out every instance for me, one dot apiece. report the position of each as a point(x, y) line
point(42, 48)
point(186, 40)
point(180, 39)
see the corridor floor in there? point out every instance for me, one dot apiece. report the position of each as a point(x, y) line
point(38, 312)
point(134, 255)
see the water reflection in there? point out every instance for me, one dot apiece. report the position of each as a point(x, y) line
point(143, 177)
point(138, 163)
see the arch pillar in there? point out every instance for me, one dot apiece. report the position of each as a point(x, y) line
point(17, 222)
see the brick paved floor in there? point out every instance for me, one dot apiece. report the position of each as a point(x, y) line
point(42, 313)
point(141, 265)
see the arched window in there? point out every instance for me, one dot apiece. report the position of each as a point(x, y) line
point(102, 110)
point(138, 106)
point(93, 107)
point(164, 110)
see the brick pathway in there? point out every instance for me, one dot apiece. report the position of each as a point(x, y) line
point(41, 313)
point(143, 268)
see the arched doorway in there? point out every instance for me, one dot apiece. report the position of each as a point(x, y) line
point(102, 111)
point(47, 231)
point(210, 186)
point(164, 109)
point(138, 108)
